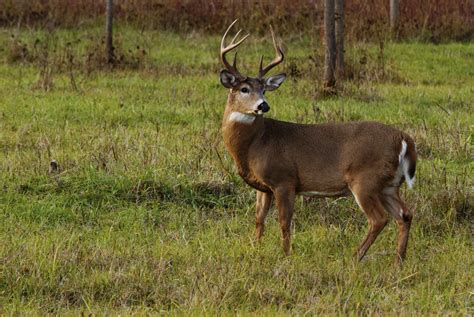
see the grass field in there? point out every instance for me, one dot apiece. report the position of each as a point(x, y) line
point(147, 213)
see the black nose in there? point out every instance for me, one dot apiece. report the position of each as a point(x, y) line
point(264, 107)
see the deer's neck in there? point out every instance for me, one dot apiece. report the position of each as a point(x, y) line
point(240, 133)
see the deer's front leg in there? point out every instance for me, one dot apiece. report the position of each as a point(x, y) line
point(285, 200)
point(264, 202)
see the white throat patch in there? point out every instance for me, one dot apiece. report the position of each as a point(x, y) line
point(241, 117)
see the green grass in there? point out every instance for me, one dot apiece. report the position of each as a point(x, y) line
point(144, 216)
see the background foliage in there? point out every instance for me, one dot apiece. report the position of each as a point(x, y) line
point(432, 20)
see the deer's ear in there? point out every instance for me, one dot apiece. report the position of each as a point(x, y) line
point(273, 82)
point(228, 80)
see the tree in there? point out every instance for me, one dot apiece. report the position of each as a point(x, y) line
point(108, 32)
point(339, 16)
point(394, 16)
point(330, 37)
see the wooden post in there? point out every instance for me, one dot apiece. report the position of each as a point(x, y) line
point(330, 37)
point(340, 67)
point(108, 32)
point(394, 16)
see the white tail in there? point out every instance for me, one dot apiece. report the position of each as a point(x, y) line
point(404, 165)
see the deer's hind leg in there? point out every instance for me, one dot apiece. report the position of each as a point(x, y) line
point(369, 200)
point(396, 206)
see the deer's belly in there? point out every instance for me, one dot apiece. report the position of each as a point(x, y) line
point(344, 192)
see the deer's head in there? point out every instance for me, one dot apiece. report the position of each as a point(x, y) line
point(247, 94)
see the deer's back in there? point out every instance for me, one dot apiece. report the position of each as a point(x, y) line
point(321, 155)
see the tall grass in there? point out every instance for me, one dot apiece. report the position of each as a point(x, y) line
point(427, 19)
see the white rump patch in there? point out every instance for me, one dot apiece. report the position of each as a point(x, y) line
point(241, 117)
point(403, 166)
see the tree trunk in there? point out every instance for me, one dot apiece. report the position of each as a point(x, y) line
point(394, 16)
point(330, 37)
point(340, 67)
point(108, 33)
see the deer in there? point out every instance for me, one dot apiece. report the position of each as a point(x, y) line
point(281, 160)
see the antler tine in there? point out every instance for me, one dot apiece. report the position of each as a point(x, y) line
point(235, 36)
point(233, 45)
point(277, 60)
point(225, 49)
point(234, 64)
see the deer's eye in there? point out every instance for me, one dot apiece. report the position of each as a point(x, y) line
point(245, 90)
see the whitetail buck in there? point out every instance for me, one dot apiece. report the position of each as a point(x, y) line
point(282, 159)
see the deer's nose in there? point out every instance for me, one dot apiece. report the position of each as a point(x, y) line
point(264, 107)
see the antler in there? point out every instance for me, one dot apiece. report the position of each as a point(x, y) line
point(277, 60)
point(225, 49)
